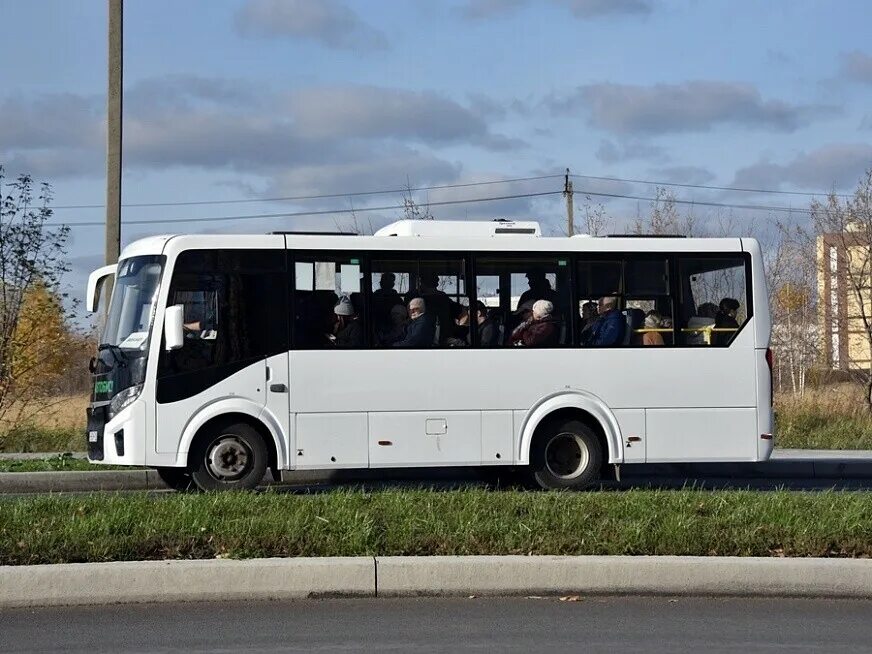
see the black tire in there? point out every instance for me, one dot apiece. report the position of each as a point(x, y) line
point(230, 457)
point(566, 454)
point(178, 479)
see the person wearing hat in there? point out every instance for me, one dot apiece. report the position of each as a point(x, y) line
point(349, 332)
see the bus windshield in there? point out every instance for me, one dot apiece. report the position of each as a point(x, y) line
point(133, 299)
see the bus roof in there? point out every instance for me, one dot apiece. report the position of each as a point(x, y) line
point(422, 235)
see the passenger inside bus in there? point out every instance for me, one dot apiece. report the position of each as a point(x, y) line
point(395, 329)
point(541, 329)
point(725, 319)
point(540, 289)
point(349, 332)
point(653, 321)
point(421, 329)
point(609, 328)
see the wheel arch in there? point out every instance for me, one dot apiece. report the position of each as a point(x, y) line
point(235, 410)
point(570, 404)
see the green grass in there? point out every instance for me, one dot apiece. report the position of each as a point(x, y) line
point(817, 428)
point(35, 438)
point(54, 464)
point(56, 529)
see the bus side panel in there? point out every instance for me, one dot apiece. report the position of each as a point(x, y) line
point(701, 434)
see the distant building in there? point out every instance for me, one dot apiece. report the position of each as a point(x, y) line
point(844, 291)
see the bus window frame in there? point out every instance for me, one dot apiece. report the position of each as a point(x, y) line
point(469, 257)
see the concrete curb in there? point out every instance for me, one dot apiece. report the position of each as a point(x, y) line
point(78, 481)
point(76, 584)
point(624, 575)
point(260, 579)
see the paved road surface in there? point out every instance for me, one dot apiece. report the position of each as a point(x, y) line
point(449, 625)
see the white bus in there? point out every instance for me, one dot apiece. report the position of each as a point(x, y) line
point(225, 356)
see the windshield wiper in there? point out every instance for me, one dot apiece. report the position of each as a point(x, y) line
point(117, 353)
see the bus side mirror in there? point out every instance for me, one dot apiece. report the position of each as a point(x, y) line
point(174, 331)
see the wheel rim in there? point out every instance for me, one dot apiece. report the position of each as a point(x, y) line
point(566, 456)
point(228, 458)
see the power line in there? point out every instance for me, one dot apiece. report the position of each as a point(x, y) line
point(324, 196)
point(726, 205)
point(707, 187)
point(297, 214)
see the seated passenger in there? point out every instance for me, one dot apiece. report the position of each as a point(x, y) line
point(726, 319)
point(421, 330)
point(542, 329)
point(488, 330)
point(609, 328)
point(349, 332)
point(396, 328)
point(653, 321)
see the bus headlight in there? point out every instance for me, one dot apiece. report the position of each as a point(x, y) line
point(124, 399)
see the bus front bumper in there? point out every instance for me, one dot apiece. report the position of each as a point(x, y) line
point(119, 440)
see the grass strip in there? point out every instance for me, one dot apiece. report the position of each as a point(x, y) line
point(820, 429)
point(37, 438)
point(55, 464)
point(103, 527)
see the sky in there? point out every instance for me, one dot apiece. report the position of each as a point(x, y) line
point(251, 100)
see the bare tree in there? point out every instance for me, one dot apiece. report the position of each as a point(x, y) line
point(791, 275)
point(413, 210)
point(664, 217)
point(594, 219)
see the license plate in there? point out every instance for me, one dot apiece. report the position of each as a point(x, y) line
point(93, 436)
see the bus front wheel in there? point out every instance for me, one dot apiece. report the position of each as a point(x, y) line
point(566, 455)
point(230, 457)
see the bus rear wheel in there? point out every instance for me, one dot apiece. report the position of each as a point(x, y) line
point(566, 455)
point(232, 457)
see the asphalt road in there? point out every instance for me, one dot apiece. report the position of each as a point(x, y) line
point(448, 625)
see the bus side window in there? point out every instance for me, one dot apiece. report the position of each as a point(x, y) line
point(438, 283)
point(328, 307)
point(714, 302)
point(647, 302)
point(508, 288)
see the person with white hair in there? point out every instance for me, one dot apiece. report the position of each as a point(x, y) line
point(609, 328)
point(542, 329)
point(421, 329)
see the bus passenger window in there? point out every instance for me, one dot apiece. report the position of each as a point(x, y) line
point(328, 304)
point(523, 302)
point(714, 300)
point(419, 303)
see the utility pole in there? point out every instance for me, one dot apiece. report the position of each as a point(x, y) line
point(113, 135)
point(570, 216)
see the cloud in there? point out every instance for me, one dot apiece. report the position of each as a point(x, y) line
point(857, 67)
point(225, 125)
point(689, 107)
point(328, 22)
point(377, 112)
point(374, 168)
point(51, 120)
point(683, 174)
point(610, 152)
point(837, 166)
point(582, 9)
